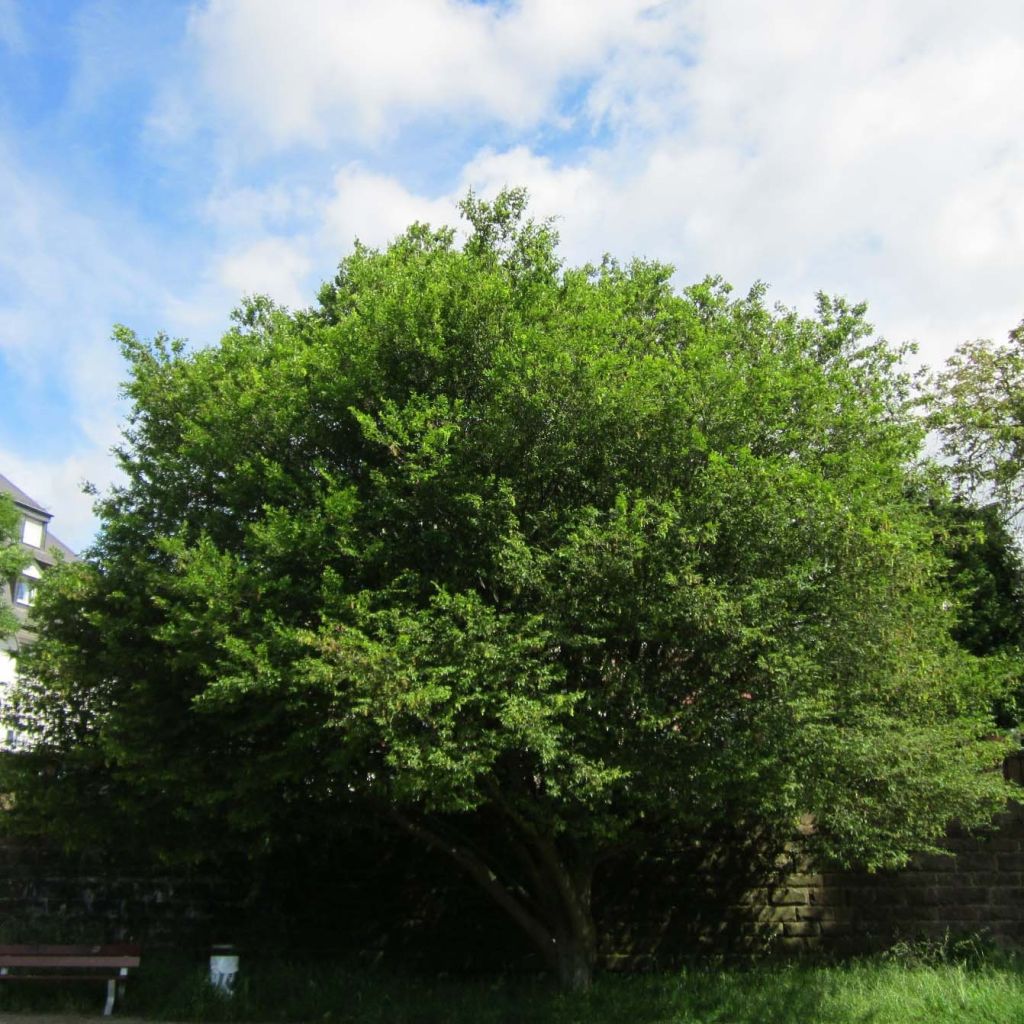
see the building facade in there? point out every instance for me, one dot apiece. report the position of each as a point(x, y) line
point(44, 550)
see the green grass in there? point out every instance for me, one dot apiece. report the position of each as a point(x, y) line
point(900, 991)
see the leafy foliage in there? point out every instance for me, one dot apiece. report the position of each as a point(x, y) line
point(978, 408)
point(986, 576)
point(505, 550)
point(12, 558)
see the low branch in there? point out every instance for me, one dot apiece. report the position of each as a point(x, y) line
point(478, 870)
point(574, 892)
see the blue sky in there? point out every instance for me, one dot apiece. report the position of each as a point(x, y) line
point(158, 160)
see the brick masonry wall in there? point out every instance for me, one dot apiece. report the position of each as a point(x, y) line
point(978, 887)
point(403, 905)
point(397, 903)
point(48, 897)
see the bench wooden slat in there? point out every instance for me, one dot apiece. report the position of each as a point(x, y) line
point(61, 977)
point(50, 949)
point(47, 962)
point(31, 960)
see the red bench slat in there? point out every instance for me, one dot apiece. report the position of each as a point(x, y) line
point(50, 949)
point(111, 957)
point(114, 961)
point(34, 960)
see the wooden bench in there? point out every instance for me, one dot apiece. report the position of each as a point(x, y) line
point(71, 963)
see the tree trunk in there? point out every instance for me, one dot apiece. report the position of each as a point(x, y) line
point(555, 913)
point(573, 960)
point(573, 953)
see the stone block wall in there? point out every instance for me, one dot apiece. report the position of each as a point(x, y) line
point(397, 903)
point(48, 897)
point(977, 887)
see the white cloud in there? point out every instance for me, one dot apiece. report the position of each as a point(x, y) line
point(861, 147)
point(11, 33)
point(314, 71)
point(65, 278)
point(173, 119)
point(272, 266)
point(870, 150)
point(247, 210)
point(867, 148)
point(375, 208)
point(60, 270)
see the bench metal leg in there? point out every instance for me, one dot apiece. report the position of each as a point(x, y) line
point(111, 992)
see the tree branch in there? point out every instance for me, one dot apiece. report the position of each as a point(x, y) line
point(478, 870)
point(574, 892)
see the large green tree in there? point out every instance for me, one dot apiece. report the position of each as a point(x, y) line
point(533, 562)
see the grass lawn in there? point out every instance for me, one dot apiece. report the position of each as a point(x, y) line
point(866, 992)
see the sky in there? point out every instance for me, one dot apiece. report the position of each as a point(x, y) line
point(161, 159)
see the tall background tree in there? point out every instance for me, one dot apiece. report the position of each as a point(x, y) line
point(976, 406)
point(978, 410)
point(533, 562)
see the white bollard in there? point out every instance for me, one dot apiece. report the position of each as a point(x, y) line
point(223, 968)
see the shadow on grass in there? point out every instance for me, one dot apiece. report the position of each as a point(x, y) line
point(864, 993)
point(302, 993)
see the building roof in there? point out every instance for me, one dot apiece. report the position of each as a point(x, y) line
point(21, 498)
point(55, 549)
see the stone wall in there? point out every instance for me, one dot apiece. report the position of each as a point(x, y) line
point(394, 902)
point(46, 896)
point(978, 887)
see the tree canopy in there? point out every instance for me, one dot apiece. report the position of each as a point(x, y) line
point(978, 409)
point(481, 537)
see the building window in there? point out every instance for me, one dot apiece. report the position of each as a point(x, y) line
point(8, 668)
point(32, 533)
point(25, 588)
